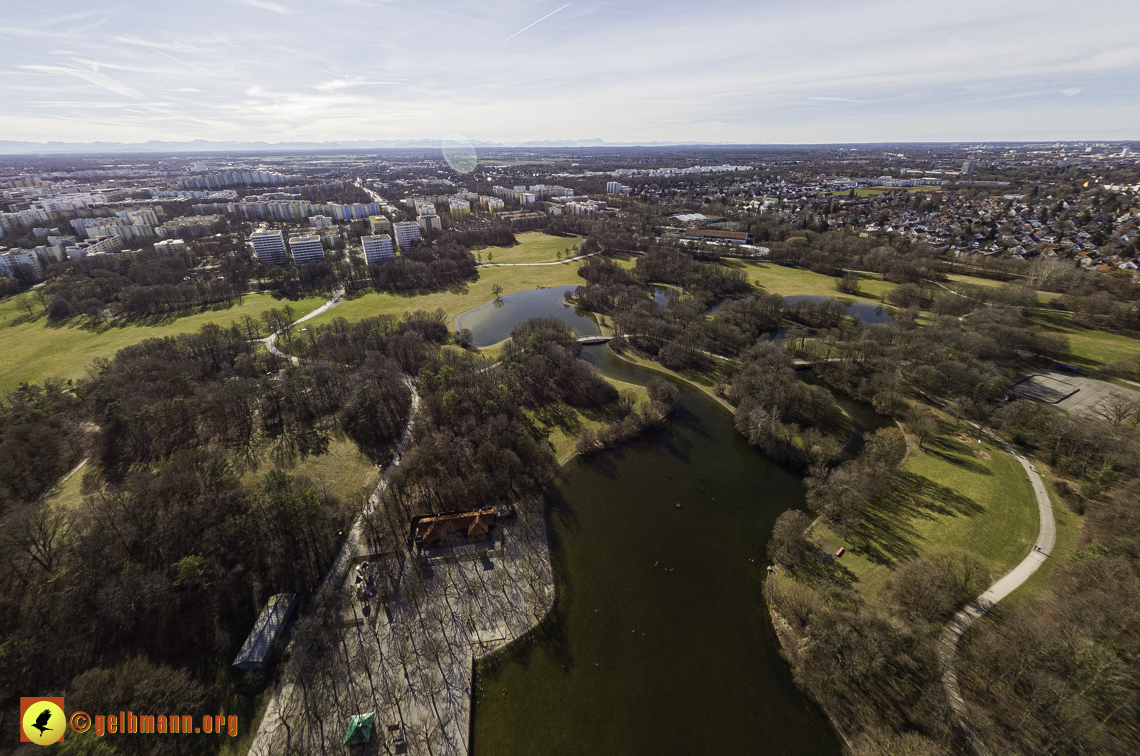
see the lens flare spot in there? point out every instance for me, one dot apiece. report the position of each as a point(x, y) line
point(459, 153)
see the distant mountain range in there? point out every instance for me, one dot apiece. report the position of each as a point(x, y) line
point(8, 147)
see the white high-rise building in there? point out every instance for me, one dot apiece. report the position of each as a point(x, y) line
point(306, 249)
point(378, 224)
point(406, 233)
point(377, 248)
point(269, 246)
point(321, 221)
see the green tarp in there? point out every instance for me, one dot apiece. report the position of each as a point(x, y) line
point(360, 728)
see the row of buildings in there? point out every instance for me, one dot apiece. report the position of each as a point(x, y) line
point(270, 246)
point(286, 210)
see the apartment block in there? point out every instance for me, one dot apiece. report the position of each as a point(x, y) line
point(306, 249)
point(377, 248)
point(406, 232)
point(269, 246)
point(378, 224)
point(430, 222)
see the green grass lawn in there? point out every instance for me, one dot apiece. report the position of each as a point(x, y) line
point(35, 348)
point(456, 299)
point(70, 494)
point(950, 498)
point(1043, 297)
point(560, 424)
point(342, 469)
point(777, 279)
point(533, 247)
point(1089, 348)
point(706, 379)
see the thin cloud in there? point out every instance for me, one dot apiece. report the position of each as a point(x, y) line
point(539, 21)
point(91, 77)
point(1070, 91)
point(266, 5)
point(839, 99)
point(356, 81)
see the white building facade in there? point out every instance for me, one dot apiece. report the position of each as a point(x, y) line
point(269, 246)
point(406, 233)
point(306, 249)
point(377, 248)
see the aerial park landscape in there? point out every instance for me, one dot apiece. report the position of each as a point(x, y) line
point(567, 378)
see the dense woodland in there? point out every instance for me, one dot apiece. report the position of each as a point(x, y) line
point(187, 549)
point(184, 549)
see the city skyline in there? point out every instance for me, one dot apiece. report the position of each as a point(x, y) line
point(739, 73)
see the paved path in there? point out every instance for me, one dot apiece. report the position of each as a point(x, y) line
point(1007, 584)
point(270, 341)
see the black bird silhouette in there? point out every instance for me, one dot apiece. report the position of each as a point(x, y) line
point(42, 720)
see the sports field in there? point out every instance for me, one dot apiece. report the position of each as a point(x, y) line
point(35, 348)
point(873, 191)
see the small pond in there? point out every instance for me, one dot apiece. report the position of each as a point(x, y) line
point(492, 322)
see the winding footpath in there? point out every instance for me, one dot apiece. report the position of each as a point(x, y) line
point(1007, 584)
point(270, 341)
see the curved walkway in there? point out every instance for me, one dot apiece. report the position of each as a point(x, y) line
point(1007, 584)
point(270, 341)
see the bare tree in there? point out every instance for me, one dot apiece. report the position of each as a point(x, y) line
point(1117, 409)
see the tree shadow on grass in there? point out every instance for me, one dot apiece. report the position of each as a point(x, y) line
point(956, 454)
point(821, 567)
point(887, 533)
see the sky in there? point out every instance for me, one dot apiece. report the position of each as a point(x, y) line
point(510, 71)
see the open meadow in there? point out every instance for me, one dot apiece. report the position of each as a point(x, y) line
point(955, 494)
point(456, 299)
point(35, 348)
point(560, 424)
point(1044, 298)
point(532, 247)
point(1088, 348)
point(788, 282)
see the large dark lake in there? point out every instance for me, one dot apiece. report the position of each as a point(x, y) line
point(660, 642)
